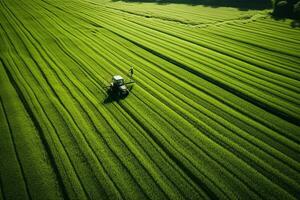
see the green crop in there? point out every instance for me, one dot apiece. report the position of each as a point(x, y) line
point(213, 114)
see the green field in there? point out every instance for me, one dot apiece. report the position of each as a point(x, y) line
point(214, 112)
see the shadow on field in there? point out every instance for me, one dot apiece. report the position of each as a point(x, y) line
point(240, 4)
point(294, 24)
point(111, 97)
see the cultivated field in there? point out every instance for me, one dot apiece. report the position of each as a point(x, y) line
point(214, 112)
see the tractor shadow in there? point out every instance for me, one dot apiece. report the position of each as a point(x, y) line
point(114, 97)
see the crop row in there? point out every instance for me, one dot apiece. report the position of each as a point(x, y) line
point(198, 123)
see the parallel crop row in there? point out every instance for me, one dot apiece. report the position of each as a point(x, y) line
point(213, 112)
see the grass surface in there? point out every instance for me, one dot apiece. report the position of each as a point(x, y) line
point(214, 112)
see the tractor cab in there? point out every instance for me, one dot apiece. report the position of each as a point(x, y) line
point(117, 80)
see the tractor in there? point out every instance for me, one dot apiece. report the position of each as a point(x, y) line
point(118, 86)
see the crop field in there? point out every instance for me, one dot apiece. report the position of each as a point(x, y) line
point(213, 114)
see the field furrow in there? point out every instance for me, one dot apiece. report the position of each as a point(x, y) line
point(213, 112)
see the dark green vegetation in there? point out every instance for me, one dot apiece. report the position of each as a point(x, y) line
point(288, 8)
point(214, 112)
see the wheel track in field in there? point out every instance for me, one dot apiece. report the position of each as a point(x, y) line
point(155, 17)
point(265, 35)
point(168, 27)
point(261, 44)
point(269, 27)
